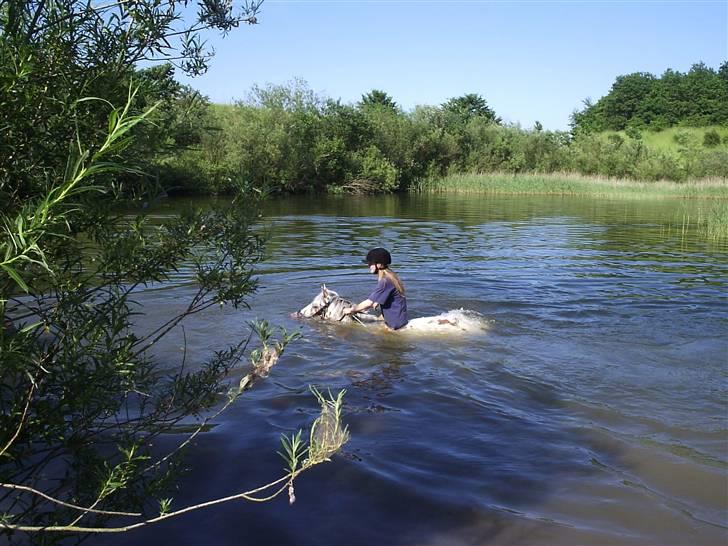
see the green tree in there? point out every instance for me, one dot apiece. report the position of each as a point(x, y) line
point(723, 71)
point(708, 104)
point(377, 98)
point(623, 102)
point(470, 106)
point(640, 100)
point(54, 53)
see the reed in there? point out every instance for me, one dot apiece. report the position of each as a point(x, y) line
point(713, 221)
point(571, 184)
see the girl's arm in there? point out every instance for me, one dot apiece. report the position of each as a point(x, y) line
point(362, 306)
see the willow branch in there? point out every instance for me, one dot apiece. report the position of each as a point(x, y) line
point(66, 504)
point(22, 419)
point(247, 495)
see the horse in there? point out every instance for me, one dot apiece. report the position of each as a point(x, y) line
point(330, 306)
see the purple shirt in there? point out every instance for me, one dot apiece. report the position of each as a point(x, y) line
point(393, 304)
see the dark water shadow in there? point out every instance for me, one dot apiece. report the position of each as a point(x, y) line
point(469, 464)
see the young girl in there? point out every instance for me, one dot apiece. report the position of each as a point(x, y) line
point(389, 293)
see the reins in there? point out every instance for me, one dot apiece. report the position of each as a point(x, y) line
point(323, 309)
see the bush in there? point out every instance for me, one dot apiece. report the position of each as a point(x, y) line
point(713, 163)
point(633, 133)
point(375, 169)
point(711, 139)
point(682, 138)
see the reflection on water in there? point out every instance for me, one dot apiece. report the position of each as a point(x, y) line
point(592, 411)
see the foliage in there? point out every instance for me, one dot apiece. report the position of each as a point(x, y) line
point(326, 437)
point(82, 393)
point(711, 139)
point(376, 98)
point(696, 98)
point(470, 106)
point(54, 53)
point(376, 172)
point(286, 138)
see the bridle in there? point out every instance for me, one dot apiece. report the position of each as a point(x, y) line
point(326, 305)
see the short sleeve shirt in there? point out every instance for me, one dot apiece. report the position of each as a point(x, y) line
point(393, 304)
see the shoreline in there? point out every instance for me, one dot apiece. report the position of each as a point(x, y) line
point(570, 184)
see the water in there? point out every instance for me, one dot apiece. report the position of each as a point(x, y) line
point(592, 410)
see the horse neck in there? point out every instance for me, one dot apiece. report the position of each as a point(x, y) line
point(335, 303)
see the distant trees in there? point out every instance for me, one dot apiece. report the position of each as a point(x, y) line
point(696, 98)
point(287, 138)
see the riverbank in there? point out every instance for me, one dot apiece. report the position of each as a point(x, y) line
point(574, 184)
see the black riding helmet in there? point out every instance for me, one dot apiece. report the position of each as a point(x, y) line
point(378, 256)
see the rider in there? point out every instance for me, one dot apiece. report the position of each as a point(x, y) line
point(389, 292)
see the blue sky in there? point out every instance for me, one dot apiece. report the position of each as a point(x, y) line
point(531, 60)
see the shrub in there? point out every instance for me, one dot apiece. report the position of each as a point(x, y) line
point(711, 139)
point(375, 169)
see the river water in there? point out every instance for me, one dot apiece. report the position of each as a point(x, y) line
point(591, 409)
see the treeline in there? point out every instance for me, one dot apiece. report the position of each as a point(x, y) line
point(286, 138)
point(697, 98)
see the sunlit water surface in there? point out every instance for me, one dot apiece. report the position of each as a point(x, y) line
point(592, 410)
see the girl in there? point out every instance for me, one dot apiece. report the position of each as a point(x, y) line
point(389, 293)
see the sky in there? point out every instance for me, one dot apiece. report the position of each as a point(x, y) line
point(532, 60)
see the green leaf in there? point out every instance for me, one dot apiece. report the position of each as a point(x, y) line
point(16, 277)
point(113, 120)
point(30, 327)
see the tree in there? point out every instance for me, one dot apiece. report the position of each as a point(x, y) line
point(470, 106)
point(723, 71)
point(81, 394)
point(623, 102)
point(54, 53)
point(377, 98)
point(641, 100)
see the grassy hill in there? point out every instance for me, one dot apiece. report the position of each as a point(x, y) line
point(670, 140)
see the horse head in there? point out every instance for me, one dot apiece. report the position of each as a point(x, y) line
point(319, 303)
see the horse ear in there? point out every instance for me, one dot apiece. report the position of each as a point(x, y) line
point(323, 288)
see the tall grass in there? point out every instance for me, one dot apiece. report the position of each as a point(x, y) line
point(713, 221)
point(708, 221)
point(571, 184)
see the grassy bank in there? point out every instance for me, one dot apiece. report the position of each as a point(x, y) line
point(569, 184)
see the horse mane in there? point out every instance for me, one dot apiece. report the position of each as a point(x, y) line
point(334, 310)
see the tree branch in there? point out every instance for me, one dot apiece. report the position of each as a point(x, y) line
point(22, 418)
point(63, 503)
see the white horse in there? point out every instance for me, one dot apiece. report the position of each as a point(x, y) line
point(329, 305)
